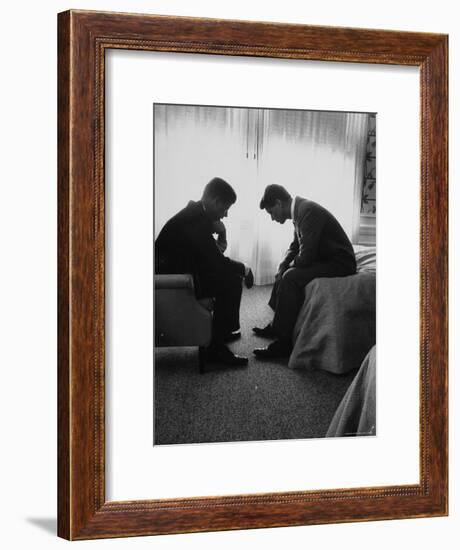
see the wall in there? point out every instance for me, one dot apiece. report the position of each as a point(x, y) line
point(28, 276)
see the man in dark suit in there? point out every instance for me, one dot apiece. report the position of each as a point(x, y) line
point(320, 248)
point(186, 244)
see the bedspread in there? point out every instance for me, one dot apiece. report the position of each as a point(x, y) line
point(356, 413)
point(335, 328)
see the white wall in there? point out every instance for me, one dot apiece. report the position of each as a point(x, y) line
point(28, 274)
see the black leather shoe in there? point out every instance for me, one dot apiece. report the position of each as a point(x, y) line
point(275, 350)
point(232, 337)
point(219, 353)
point(249, 279)
point(266, 332)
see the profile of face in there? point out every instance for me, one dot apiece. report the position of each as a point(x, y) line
point(218, 209)
point(276, 212)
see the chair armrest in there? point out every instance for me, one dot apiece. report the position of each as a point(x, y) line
point(169, 281)
point(180, 319)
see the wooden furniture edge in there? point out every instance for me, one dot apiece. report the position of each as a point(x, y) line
point(83, 512)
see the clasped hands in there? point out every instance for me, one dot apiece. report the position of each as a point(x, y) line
point(279, 274)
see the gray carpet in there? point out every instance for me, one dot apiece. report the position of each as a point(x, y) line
point(263, 401)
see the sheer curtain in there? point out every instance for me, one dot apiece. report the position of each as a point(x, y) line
point(315, 154)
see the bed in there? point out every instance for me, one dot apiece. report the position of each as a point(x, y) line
point(336, 326)
point(356, 413)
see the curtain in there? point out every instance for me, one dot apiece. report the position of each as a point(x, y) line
point(314, 154)
point(192, 145)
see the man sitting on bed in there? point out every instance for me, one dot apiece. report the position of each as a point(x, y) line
point(320, 249)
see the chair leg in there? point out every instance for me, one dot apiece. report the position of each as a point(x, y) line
point(202, 358)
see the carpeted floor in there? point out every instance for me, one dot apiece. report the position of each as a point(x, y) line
point(263, 401)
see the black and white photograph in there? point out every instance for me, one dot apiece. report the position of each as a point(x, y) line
point(265, 274)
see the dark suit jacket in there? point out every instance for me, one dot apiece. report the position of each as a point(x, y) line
point(186, 245)
point(318, 238)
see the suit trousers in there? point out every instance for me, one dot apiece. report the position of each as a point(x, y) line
point(288, 295)
point(226, 292)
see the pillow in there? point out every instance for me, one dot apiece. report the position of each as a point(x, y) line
point(365, 258)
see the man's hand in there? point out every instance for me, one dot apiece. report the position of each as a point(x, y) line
point(248, 277)
point(218, 227)
point(281, 269)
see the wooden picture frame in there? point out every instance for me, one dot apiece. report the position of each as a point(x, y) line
point(83, 39)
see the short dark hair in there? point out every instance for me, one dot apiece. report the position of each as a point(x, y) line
point(273, 193)
point(218, 188)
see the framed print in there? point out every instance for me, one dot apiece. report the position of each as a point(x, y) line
point(218, 370)
point(251, 147)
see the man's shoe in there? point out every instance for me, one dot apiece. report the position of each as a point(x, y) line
point(249, 279)
point(275, 350)
point(219, 353)
point(232, 337)
point(266, 332)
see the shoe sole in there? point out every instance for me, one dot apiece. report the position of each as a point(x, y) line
point(232, 338)
point(268, 336)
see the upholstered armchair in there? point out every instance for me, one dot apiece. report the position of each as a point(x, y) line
point(180, 318)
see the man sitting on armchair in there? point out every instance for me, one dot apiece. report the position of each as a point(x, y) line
point(186, 244)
